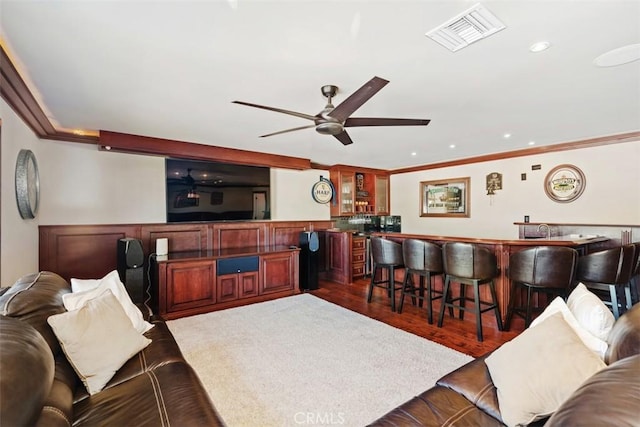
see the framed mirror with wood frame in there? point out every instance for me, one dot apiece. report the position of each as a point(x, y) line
point(445, 198)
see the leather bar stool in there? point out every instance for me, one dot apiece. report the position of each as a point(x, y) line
point(474, 265)
point(543, 269)
point(387, 255)
point(609, 270)
point(423, 259)
point(634, 282)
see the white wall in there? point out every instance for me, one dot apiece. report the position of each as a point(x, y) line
point(19, 237)
point(291, 195)
point(611, 195)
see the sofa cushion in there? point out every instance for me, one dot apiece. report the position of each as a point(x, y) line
point(590, 312)
point(171, 395)
point(558, 305)
point(610, 397)
point(33, 298)
point(26, 367)
point(438, 406)
point(112, 282)
point(98, 339)
point(539, 369)
point(162, 350)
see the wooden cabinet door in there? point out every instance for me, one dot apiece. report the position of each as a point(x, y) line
point(278, 272)
point(344, 183)
point(382, 195)
point(248, 284)
point(338, 252)
point(227, 287)
point(190, 284)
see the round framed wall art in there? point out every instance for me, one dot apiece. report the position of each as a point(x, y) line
point(564, 183)
point(27, 184)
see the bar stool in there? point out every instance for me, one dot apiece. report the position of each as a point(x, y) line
point(634, 282)
point(609, 270)
point(470, 264)
point(542, 269)
point(423, 259)
point(387, 255)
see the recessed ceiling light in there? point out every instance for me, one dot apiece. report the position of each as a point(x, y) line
point(532, 142)
point(507, 135)
point(414, 154)
point(539, 46)
point(619, 56)
point(452, 146)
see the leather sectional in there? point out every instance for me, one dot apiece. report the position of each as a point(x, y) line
point(38, 386)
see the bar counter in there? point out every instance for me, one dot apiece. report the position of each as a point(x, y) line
point(502, 248)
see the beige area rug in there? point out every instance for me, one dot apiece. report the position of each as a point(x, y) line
point(301, 361)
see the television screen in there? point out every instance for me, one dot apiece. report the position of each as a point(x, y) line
point(210, 191)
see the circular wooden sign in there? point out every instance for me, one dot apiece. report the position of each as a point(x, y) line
point(564, 183)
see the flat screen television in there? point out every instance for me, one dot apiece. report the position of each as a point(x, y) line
point(210, 191)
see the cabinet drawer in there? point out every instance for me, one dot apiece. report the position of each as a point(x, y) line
point(237, 265)
point(358, 244)
point(358, 270)
point(358, 257)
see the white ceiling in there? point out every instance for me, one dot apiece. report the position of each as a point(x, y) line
point(170, 69)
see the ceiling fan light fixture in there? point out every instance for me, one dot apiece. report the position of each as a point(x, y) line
point(329, 128)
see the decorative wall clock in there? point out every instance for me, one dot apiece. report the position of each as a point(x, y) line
point(27, 184)
point(564, 183)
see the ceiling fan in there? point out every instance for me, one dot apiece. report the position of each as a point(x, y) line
point(332, 120)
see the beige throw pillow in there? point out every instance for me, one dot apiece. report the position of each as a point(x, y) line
point(111, 281)
point(97, 339)
point(539, 369)
point(558, 305)
point(590, 312)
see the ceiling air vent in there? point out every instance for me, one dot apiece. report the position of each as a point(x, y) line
point(468, 27)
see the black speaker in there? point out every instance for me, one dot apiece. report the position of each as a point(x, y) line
point(309, 258)
point(131, 267)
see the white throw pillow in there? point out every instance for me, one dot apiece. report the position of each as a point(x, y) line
point(97, 339)
point(539, 369)
point(558, 305)
point(590, 312)
point(111, 281)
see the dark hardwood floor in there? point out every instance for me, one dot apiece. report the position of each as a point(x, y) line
point(456, 334)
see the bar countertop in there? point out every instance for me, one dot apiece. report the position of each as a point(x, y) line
point(568, 240)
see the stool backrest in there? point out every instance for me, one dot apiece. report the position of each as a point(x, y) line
point(386, 252)
point(544, 266)
point(612, 266)
point(421, 255)
point(468, 260)
point(636, 270)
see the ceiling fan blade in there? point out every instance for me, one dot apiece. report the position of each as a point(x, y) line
point(374, 121)
point(278, 110)
point(288, 130)
point(344, 138)
point(356, 99)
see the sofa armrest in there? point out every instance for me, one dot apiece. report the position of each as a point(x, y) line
point(473, 381)
point(610, 397)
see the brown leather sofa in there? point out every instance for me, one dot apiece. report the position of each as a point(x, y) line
point(468, 397)
point(38, 386)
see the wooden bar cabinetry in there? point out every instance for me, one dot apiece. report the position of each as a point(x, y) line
point(193, 282)
point(359, 191)
point(358, 256)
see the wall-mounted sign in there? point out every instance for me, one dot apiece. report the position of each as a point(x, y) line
point(564, 183)
point(494, 182)
point(322, 191)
